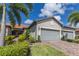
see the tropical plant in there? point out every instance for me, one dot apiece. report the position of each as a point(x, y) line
point(13, 11)
point(9, 39)
point(39, 40)
point(16, 49)
point(31, 39)
point(74, 18)
point(27, 33)
point(22, 37)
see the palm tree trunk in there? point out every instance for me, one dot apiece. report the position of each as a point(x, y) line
point(3, 23)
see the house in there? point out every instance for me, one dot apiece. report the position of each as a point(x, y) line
point(8, 27)
point(51, 29)
point(77, 32)
point(18, 29)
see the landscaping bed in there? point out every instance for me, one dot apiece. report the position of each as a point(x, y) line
point(45, 50)
point(16, 49)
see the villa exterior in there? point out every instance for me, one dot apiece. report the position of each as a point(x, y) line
point(17, 29)
point(8, 27)
point(51, 29)
point(77, 32)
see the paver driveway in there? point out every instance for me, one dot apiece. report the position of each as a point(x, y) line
point(68, 48)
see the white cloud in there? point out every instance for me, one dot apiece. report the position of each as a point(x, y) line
point(50, 9)
point(45, 13)
point(58, 18)
point(55, 9)
point(28, 21)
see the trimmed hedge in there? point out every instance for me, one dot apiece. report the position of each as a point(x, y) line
point(17, 49)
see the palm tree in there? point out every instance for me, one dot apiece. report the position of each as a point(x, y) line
point(74, 18)
point(13, 11)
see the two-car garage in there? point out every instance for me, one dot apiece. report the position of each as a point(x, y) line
point(50, 29)
point(50, 34)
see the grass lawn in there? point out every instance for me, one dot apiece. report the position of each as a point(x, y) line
point(45, 50)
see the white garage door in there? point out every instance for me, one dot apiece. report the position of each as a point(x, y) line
point(69, 34)
point(47, 34)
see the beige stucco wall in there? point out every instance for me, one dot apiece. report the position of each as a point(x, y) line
point(33, 31)
point(51, 24)
point(69, 30)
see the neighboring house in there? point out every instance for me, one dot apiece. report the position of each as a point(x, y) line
point(77, 32)
point(19, 29)
point(51, 29)
point(8, 27)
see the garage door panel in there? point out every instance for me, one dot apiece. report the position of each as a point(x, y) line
point(69, 34)
point(50, 34)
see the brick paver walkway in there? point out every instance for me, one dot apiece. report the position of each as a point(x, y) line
point(68, 48)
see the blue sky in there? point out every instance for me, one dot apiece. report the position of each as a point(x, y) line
point(60, 10)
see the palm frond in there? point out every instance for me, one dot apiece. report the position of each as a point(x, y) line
point(73, 18)
point(1, 9)
point(75, 23)
point(72, 15)
point(11, 18)
point(17, 15)
point(29, 5)
point(21, 7)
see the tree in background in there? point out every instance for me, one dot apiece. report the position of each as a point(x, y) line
point(13, 10)
point(73, 18)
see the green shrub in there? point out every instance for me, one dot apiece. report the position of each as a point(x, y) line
point(17, 49)
point(9, 39)
point(69, 40)
point(39, 40)
point(76, 40)
point(77, 37)
point(31, 39)
point(22, 37)
point(27, 33)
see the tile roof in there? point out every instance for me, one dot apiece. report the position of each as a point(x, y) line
point(21, 26)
